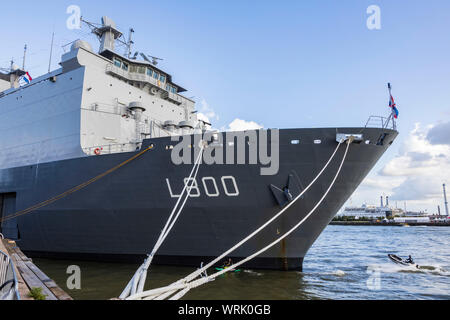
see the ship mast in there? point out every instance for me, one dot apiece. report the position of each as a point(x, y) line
point(24, 55)
point(129, 43)
point(107, 33)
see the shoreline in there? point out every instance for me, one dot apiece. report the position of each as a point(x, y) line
point(395, 224)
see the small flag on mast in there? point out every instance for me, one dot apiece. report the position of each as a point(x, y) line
point(25, 79)
point(392, 104)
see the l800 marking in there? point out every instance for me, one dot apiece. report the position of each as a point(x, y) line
point(210, 187)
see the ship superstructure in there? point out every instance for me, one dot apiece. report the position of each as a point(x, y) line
point(118, 101)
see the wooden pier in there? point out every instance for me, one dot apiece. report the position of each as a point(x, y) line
point(30, 276)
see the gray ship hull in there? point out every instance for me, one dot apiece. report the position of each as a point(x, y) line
point(120, 216)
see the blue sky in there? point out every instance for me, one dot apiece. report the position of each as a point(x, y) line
point(281, 64)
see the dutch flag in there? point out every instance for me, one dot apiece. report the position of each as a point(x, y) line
point(393, 107)
point(27, 78)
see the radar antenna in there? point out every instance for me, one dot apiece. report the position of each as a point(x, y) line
point(10, 69)
point(154, 60)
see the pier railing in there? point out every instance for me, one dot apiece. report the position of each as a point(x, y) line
point(9, 287)
point(381, 122)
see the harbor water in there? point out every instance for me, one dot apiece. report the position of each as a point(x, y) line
point(346, 262)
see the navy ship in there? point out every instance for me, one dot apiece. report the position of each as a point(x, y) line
point(87, 168)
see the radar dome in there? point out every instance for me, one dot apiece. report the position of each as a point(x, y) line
point(81, 44)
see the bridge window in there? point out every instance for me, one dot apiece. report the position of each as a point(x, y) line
point(162, 78)
point(149, 72)
point(125, 66)
point(141, 70)
point(117, 62)
point(155, 75)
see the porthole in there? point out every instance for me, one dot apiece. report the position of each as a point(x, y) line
point(295, 141)
point(317, 141)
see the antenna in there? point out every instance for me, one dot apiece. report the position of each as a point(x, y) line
point(144, 57)
point(24, 55)
point(154, 60)
point(129, 44)
point(51, 52)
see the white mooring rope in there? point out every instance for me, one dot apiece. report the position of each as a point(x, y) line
point(187, 283)
point(136, 284)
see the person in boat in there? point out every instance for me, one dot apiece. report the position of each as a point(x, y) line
point(409, 260)
point(227, 264)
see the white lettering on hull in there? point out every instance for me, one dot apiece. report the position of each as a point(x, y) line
point(210, 187)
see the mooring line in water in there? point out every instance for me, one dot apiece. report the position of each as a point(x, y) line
point(185, 284)
point(74, 189)
point(137, 282)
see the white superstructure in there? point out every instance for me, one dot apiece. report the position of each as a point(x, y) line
point(95, 101)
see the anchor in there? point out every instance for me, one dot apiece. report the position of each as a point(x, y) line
point(287, 193)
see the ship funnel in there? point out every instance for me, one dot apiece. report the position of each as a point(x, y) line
point(381, 205)
point(138, 109)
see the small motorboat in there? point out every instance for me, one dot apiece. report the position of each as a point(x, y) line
point(222, 268)
point(401, 261)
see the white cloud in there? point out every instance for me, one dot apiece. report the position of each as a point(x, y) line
point(415, 175)
point(206, 113)
point(241, 125)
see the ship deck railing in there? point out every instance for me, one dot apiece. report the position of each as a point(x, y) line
point(142, 77)
point(381, 122)
point(8, 279)
point(111, 148)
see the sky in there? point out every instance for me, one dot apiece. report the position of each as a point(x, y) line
point(286, 64)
